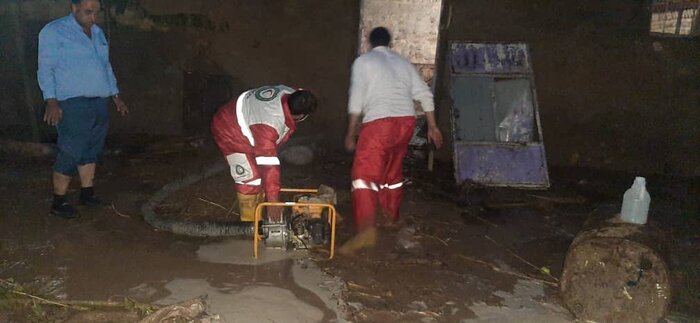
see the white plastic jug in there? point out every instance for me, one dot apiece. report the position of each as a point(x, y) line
point(635, 203)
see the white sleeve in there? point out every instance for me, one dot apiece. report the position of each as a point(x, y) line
point(358, 88)
point(420, 91)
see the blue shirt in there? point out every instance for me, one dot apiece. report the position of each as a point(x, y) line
point(71, 64)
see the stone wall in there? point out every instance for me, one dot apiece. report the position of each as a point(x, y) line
point(413, 24)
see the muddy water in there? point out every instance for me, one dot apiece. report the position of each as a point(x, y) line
point(278, 286)
point(524, 304)
point(91, 263)
point(240, 252)
point(238, 287)
point(108, 255)
point(249, 304)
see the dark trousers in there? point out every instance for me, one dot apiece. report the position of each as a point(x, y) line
point(81, 133)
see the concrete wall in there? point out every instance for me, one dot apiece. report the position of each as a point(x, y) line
point(413, 23)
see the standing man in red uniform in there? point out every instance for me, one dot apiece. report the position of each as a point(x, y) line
point(383, 88)
point(248, 132)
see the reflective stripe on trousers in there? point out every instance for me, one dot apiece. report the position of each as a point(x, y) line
point(361, 184)
point(391, 186)
point(260, 160)
point(381, 148)
point(255, 182)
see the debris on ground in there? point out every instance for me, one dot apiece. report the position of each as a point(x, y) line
point(193, 311)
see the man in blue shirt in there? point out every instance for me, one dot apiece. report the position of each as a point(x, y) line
point(76, 79)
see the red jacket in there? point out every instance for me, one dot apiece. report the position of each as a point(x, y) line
point(256, 124)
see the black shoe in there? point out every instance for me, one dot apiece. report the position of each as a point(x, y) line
point(92, 201)
point(65, 211)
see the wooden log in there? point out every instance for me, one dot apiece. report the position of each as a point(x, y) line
point(614, 273)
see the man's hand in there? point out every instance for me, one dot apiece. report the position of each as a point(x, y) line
point(274, 214)
point(121, 106)
point(435, 136)
point(53, 113)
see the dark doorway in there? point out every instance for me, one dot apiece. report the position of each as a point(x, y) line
point(202, 95)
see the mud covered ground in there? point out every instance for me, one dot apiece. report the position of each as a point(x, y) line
point(454, 259)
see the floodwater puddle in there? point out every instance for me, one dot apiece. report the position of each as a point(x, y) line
point(279, 286)
point(524, 304)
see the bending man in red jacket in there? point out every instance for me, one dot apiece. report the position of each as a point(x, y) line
point(382, 90)
point(249, 130)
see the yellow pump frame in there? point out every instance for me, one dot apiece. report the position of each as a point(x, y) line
point(258, 216)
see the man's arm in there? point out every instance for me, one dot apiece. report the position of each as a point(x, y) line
point(47, 60)
point(122, 108)
point(358, 88)
point(357, 93)
point(265, 152)
point(421, 93)
point(353, 128)
point(113, 89)
point(268, 164)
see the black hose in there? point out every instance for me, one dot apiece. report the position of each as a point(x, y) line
point(201, 228)
point(192, 228)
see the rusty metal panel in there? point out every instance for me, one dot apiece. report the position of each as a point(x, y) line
point(506, 165)
point(489, 58)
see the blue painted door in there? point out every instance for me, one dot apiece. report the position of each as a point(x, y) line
point(497, 133)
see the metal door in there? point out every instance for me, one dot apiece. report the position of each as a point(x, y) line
point(497, 132)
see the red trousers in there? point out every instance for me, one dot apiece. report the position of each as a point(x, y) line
point(377, 178)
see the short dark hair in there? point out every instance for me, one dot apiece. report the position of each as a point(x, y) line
point(379, 36)
point(302, 102)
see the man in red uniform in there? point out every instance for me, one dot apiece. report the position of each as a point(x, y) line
point(383, 88)
point(248, 131)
